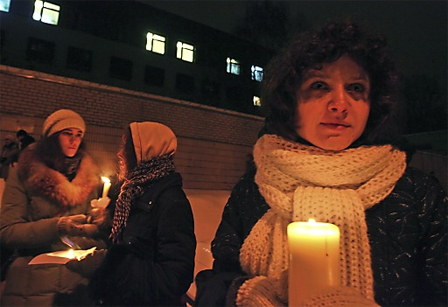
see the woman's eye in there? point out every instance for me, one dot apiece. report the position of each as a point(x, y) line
point(356, 88)
point(318, 85)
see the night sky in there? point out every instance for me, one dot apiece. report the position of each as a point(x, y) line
point(415, 30)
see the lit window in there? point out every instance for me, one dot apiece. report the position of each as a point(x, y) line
point(4, 5)
point(233, 66)
point(257, 73)
point(46, 12)
point(185, 52)
point(257, 101)
point(155, 43)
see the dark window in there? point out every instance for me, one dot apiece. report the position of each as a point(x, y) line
point(40, 51)
point(120, 68)
point(154, 75)
point(2, 39)
point(185, 83)
point(235, 92)
point(210, 88)
point(79, 59)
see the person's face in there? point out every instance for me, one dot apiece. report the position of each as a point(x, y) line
point(333, 104)
point(69, 140)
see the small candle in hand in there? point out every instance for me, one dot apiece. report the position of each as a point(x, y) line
point(314, 259)
point(106, 186)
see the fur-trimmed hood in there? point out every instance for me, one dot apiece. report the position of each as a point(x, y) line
point(42, 180)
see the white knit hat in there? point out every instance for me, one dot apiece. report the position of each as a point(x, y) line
point(62, 119)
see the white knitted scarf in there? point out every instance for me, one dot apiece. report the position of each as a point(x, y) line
point(300, 182)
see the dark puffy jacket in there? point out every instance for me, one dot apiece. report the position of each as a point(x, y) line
point(407, 233)
point(153, 266)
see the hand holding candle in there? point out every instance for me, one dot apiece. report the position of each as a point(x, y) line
point(98, 213)
point(314, 259)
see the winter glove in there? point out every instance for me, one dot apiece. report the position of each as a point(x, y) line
point(87, 265)
point(259, 291)
point(98, 217)
point(339, 297)
point(75, 225)
point(100, 203)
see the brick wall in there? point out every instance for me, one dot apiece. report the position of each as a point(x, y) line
point(212, 143)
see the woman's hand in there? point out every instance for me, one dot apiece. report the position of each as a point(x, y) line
point(339, 297)
point(76, 225)
point(98, 217)
point(87, 266)
point(99, 213)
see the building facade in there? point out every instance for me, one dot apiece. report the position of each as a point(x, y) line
point(132, 45)
point(116, 62)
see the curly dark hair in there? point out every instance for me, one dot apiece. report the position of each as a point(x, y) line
point(284, 74)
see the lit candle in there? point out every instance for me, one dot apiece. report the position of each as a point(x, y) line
point(70, 254)
point(106, 186)
point(314, 259)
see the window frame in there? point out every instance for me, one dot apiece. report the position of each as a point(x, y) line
point(46, 12)
point(256, 73)
point(5, 5)
point(233, 66)
point(182, 49)
point(153, 42)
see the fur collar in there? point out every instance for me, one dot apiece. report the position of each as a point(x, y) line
point(42, 180)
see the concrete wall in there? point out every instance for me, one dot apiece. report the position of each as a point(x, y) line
point(212, 143)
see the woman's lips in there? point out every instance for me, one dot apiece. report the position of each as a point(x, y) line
point(338, 126)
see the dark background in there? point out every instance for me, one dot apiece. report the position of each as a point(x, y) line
point(416, 32)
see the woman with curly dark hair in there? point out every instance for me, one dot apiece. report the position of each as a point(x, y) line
point(328, 151)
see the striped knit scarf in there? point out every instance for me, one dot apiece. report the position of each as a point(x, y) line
point(301, 182)
point(136, 184)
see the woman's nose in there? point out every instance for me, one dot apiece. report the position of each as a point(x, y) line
point(338, 102)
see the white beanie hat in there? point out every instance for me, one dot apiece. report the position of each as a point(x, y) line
point(63, 119)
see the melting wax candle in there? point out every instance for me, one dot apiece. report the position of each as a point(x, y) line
point(314, 259)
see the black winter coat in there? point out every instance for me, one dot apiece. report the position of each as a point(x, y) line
point(153, 266)
point(407, 233)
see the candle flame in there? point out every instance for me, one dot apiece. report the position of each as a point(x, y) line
point(70, 254)
point(105, 179)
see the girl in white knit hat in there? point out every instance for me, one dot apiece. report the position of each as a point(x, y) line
point(47, 198)
point(329, 151)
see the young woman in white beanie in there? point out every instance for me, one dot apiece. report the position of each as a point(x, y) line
point(47, 197)
point(151, 260)
point(329, 151)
